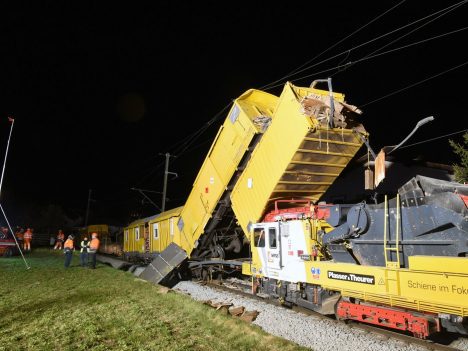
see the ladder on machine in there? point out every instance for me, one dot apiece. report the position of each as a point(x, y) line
point(388, 248)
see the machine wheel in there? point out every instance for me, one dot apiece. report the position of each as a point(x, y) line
point(338, 318)
point(218, 252)
point(205, 276)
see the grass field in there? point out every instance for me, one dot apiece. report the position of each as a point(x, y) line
point(52, 308)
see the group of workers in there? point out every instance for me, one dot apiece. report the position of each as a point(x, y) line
point(24, 237)
point(88, 250)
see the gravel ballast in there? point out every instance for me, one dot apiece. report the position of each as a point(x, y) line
point(316, 333)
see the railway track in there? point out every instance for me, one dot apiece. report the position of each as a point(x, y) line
point(244, 289)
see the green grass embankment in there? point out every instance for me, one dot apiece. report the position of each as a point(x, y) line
point(52, 308)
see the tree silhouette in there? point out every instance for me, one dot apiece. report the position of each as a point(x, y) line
point(461, 170)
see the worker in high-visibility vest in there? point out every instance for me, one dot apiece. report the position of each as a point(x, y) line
point(19, 233)
point(59, 240)
point(93, 248)
point(27, 237)
point(84, 248)
point(68, 249)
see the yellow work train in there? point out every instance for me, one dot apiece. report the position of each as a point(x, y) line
point(109, 236)
point(146, 238)
point(401, 263)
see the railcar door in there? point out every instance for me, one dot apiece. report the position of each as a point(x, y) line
point(273, 246)
point(267, 244)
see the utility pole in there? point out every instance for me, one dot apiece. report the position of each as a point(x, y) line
point(87, 208)
point(166, 172)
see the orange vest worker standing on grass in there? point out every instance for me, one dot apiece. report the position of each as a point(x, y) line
point(93, 248)
point(60, 240)
point(20, 235)
point(68, 248)
point(27, 237)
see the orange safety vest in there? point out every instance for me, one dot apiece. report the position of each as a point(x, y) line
point(27, 234)
point(68, 244)
point(94, 245)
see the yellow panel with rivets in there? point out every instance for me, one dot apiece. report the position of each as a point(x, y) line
point(163, 230)
point(433, 284)
point(297, 157)
point(134, 241)
point(430, 284)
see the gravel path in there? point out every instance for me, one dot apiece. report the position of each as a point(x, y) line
point(309, 331)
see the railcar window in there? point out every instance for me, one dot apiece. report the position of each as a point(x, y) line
point(180, 224)
point(259, 237)
point(155, 231)
point(272, 237)
point(171, 225)
point(126, 235)
point(137, 233)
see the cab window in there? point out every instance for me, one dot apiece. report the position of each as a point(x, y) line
point(272, 238)
point(259, 237)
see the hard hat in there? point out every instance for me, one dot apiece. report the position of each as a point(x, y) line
point(71, 237)
point(85, 238)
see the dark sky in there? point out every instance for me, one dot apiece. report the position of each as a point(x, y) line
point(99, 92)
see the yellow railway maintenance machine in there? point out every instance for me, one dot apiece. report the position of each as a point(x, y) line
point(268, 147)
point(401, 264)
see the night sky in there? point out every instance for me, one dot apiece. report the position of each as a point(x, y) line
point(100, 93)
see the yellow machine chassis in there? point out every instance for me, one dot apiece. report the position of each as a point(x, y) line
point(431, 284)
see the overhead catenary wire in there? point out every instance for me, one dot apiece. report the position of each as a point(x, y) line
point(332, 46)
point(179, 151)
point(448, 10)
point(377, 55)
point(432, 139)
point(413, 84)
point(408, 33)
point(180, 147)
point(445, 10)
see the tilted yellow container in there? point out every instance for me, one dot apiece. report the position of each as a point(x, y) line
point(299, 156)
point(249, 116)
